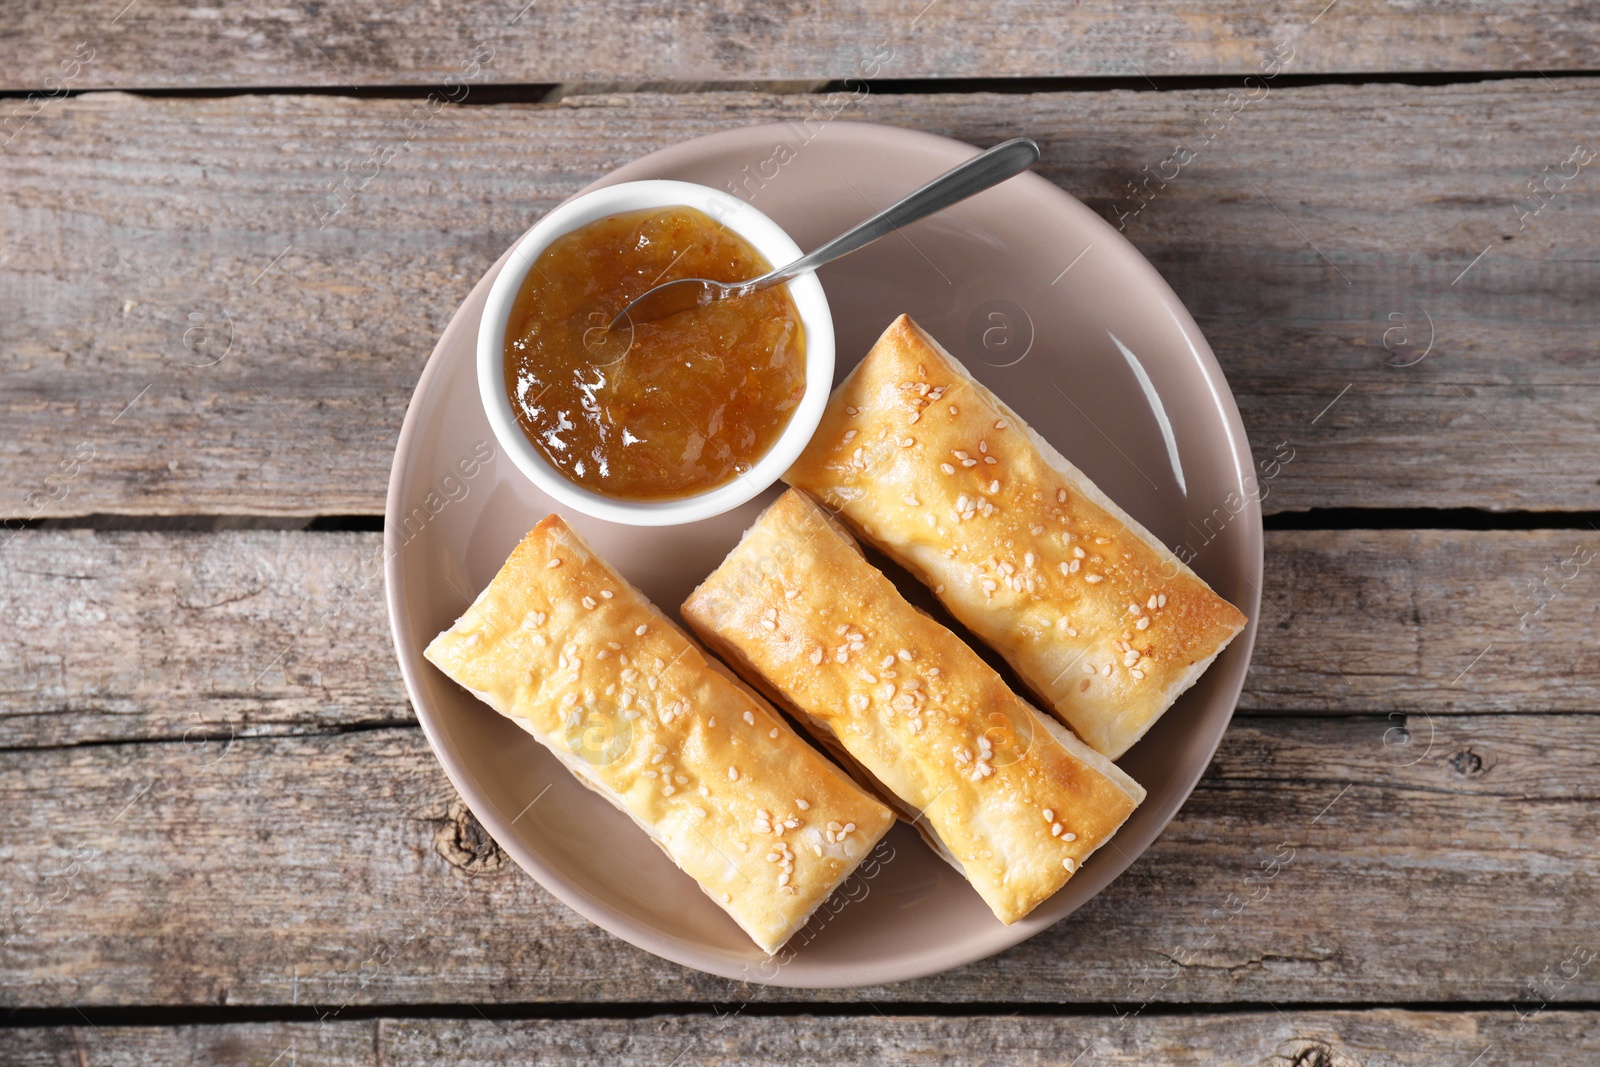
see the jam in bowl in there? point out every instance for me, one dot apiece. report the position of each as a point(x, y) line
point(652, 423)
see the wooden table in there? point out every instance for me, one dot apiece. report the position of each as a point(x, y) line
point(229, 237)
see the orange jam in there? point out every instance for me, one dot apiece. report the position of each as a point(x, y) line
point(663, 409)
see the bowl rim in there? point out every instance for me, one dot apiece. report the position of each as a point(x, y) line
point(768, 238)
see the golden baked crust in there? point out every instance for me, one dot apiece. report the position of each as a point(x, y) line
point(1098, 618)
point(565, 647)
point(1012, 803)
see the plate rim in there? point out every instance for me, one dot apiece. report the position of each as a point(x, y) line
point(622, 924)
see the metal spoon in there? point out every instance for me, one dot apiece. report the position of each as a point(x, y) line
point(1003, 161)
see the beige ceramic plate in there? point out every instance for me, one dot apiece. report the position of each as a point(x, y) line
point(1044, 302)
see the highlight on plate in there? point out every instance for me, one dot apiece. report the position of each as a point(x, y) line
point(898, 717)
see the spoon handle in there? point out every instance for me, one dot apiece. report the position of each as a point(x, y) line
point(1004, 160)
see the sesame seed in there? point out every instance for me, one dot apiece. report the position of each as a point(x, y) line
point(1134, 609)
point(911, 501)
point(554, 563)
point(1151, 603)
point(774, 733)
point(1143, 624)
point(969, 463)
point(641, 630)
point(1092, 578)
point(953, 410)
point(1161, 601)
point(733, 774)
point(1130, 658)
point(907, 442)
point(1136, 673)
point(475, 640)
point(849, 436)
point(1067, 863)
point(589, 603)
point(947, 468)
point(849, 827)
point(1000, 424)
point(816, 656)
point(849, 411)
point(1055, 829)
point(905, 656)
point(802, 804)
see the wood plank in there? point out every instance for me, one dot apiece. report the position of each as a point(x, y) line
point(165, 44)
point(1378, 1038)
point(197, 636)
point(341, 870)
point(144, 236)
point(123, 636)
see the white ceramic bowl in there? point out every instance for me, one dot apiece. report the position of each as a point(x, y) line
point(767, 238)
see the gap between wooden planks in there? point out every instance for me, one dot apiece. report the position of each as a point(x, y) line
point(188, 331)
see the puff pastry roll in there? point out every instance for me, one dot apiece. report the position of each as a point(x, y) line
point(1096, 616)
point(1011, 799)
point(572, 653)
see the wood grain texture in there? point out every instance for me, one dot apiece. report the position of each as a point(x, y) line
point(126, 636)
point(1380, 1038)
point(195, 328)
point(163, 43)
point(1318, 861)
